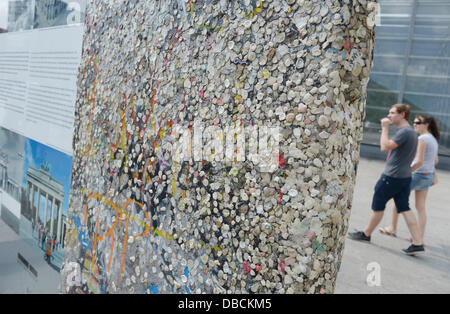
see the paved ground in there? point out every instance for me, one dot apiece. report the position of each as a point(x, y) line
point(399, 273)
point(14, 277)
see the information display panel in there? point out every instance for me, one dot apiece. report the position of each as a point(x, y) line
point(40, 50)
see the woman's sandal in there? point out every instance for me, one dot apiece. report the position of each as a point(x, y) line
point(387, 232)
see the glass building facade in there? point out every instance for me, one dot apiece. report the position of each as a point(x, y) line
point(411, 65)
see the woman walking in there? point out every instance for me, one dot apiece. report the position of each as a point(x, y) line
point(423, 168)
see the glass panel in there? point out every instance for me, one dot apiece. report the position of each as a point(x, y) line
point(395, 13)
point(378, 104)
point(397, 2)
point(431, 31)
point(430, 48)
point(384, 81)
point(385, 30)
point(393, 7)
point(433, 8)
point(388, 63)
point(434, 105)
point(390, 46)
point(428, 20)
point(379, 100)
point(395, 19)
point(429, 66)
point(426, 85)
point(439, 107)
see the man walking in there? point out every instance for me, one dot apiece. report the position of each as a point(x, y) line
point(396, 178)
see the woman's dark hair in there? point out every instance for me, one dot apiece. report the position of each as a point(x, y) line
point(432, 125)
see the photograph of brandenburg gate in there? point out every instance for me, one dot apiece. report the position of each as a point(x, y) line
point(42, 207)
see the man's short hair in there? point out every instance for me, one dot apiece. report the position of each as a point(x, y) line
point(403, 108)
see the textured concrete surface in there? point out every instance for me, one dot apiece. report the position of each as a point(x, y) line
point(398, 273)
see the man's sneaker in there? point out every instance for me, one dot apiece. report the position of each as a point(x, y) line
point(359, 236)
point(414, 249)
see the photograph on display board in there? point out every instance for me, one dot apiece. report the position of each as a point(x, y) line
point(20, 15)
point(49, 13)
point(11, 167)
point(45, 198)
point(4, 16)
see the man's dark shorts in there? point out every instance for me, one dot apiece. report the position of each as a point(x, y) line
point(389, 187)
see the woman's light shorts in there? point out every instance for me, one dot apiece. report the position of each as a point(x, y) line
point(421, 182)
